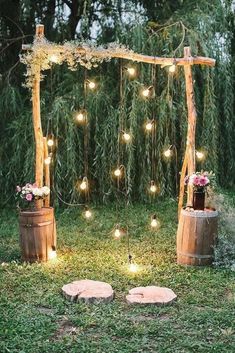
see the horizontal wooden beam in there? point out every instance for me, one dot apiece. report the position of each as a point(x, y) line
point(129, 55)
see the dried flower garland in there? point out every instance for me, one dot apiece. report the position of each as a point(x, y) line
point(44, 54)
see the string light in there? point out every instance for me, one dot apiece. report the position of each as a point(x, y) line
point(47, 160)
point(133, 268)
point(153, 187)
point(172, 69)
point(91, 84)
point(126, 137)
point(147, 92)
point(118, 172)
point(81, 116)
point(54, 58)
point(149, 126)
point(200, 155)
point(154, 222)
point(87, 213)
point(117, 232)
point(131, 71)
point(50, 142)
point(52, 255)
point(84, 184)
point(168, 153)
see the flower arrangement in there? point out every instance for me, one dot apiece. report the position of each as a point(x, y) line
point(31, 192)
point(200, 180)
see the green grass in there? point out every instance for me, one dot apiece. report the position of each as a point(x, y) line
point(35, 318)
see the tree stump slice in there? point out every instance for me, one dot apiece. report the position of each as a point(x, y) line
point(196, 237)
point(88, 291)
point(151, 295)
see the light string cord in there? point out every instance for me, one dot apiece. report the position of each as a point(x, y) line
point(153, 157)
point(86, 137)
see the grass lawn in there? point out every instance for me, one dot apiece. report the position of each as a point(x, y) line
point(35, 318)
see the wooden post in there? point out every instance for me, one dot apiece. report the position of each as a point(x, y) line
point(192, 117)
point(46, 172)
point(37, 122)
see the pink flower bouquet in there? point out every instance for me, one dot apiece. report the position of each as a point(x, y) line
point(199, 180)
point(31, 192)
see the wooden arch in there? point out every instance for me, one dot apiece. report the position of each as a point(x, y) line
point(189, 162)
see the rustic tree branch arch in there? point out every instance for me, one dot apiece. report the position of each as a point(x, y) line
point(189, 163)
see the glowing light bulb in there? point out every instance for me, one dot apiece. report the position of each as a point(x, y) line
point(84, 184)
point(50, 142)
point(200, 155)
point(117, 172)
point(52, 254)
point(117, 233)
point(146, 92)
point(172, 68)
point(47, 160)
point(153, 187)
point(131, 71)
point(167, 153)
point(81, 116)
point(149, 126)
point(154, 222)
point(54, 58)
point(91, 84)
point(133, 268)
point(126, 137)
point(87, 214)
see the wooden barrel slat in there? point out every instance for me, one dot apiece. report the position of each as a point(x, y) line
point(196, 236)
point(37, 234)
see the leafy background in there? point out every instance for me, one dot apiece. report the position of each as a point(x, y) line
point(160, 28)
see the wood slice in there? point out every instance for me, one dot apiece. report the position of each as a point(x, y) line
point(88, 291)
point(37, 234)
point(151, 295)
point(196, 237)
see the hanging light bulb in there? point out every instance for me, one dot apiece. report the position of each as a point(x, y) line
point(117, 232)
point(154, 222)
point(84, 184)
point(149, 126)
point(50, 142)
point(81, 116)
point(200, 155)
point(91, 84)
point(47, 160)
point(167, 153)
point(133, 268)
point(131, 71)
point(119, 171)
point(146, 92)
point(54, 58)
point(153, 187)
point(126, 137)
point(172, 69)
point(87, 214)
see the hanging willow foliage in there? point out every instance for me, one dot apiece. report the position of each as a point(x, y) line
point(62, 95)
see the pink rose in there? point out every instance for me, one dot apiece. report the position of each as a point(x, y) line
point(204, 181)
point(18, 188)
point(29, 197)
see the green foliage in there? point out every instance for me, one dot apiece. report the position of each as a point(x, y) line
point(62, 94)
point(35, 318)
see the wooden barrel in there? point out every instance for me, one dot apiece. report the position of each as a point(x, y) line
point(196, 236)
point(37, 234)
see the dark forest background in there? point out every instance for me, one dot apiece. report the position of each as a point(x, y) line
point(159, 28)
